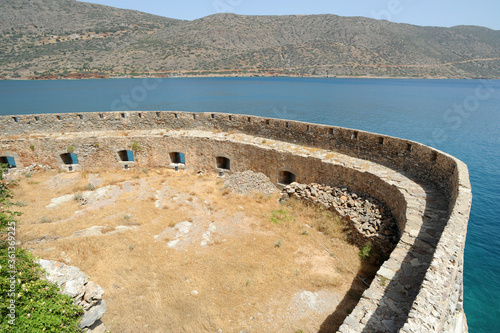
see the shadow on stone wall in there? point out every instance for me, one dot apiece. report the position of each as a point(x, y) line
point(393, 307)
point(351, 298)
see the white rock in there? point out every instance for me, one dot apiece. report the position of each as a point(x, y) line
point(93, 314)
point(184, 227)
point(75, 287)
point(92, 231)
point(173, 243)
point(46, 264)
point(54, 202)
point(92, 292)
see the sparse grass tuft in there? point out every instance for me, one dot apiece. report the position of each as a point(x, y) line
point(45, 219)
point(365, 252)
point(383, 281)
point(279, 216)
point(136, 146)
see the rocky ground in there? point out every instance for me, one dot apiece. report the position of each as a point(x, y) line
point(370, 220)
point(155, 237)
point(249, 182)
point(85, 293)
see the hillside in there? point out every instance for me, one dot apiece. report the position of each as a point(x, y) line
point(63, 37)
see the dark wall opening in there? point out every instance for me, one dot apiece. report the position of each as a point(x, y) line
point(177, 158)
point(223, 163)
point(9, 160)
point(69, 158)
point(126, 155)
point(286, 177)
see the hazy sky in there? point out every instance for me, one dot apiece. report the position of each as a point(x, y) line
point(445, 13)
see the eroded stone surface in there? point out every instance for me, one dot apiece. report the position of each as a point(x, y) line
point(74, 283)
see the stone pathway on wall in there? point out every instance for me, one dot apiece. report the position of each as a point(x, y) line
point(391, 298)
point(385, 306)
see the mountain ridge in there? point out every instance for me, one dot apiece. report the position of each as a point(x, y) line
point(58, 38)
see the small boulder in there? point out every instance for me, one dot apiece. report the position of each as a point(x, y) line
point(93, 314)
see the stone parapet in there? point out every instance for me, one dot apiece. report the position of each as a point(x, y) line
point(417, 289)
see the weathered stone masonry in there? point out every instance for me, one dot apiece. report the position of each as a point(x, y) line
point(418, 289)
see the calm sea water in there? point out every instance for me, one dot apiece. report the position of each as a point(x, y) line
point(461, 117)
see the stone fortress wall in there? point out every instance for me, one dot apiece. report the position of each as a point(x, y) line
point(418, 289)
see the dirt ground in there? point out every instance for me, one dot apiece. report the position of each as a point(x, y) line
point(179, 252)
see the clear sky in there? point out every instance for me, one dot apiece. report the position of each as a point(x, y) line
point(445, 13)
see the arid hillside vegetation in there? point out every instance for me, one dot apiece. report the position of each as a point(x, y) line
point(59, 38)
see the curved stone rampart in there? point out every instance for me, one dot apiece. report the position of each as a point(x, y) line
point(419, 288)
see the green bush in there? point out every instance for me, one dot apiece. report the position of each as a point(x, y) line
point(136, 146)
point(28, 303)
point(365, 252)
point(7, 216)
point(38, 304)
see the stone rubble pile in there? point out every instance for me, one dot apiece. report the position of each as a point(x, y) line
point(85, 293)
point(38, 167)
point(370, 220)
point(15, 173)
point(248, 181)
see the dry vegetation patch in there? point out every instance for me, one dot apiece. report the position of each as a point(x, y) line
point(178, 252)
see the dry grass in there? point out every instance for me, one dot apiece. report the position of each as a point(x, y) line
point(262, 254)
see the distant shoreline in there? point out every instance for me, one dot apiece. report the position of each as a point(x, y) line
point(242, 76)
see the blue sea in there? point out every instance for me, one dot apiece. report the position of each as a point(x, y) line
point(460, 117)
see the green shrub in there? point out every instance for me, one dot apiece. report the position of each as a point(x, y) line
point(365, 252)
point(28, 303)
point(7, 216)
point(136, 146)
point(78, 197)
point(280, 216)
point(38, 304)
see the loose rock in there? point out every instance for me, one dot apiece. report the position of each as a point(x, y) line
point(248, 181)
point(368, 219)
point(74, 283)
